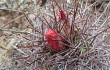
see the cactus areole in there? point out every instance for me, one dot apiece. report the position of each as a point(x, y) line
point(54, 40)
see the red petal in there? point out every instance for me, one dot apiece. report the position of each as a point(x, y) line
point(54, 40)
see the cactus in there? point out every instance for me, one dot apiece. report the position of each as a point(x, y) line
point(60, 35)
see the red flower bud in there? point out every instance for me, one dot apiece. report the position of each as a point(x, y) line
point(54, 40)
point(62, 15)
